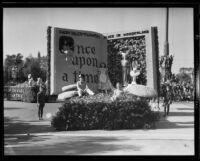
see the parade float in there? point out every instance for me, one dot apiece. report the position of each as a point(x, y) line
point(74, 52)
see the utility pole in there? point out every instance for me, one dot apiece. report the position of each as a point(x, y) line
point(166, 45)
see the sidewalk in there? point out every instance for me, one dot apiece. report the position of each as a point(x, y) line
point(24, 134)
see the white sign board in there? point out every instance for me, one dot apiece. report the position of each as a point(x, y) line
point(74, 52)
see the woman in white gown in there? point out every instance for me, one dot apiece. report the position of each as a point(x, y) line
point(104, 81)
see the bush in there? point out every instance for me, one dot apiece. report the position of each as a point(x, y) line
point(98, 112)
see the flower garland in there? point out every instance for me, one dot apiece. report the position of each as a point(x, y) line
point(48, 58)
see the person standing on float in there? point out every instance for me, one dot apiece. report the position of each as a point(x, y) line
point(104, 81)
point(117, 92)
point(124, 63)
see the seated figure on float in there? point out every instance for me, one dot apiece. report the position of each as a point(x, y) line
point(82, 87)
point(117, 92)
point(79, 88)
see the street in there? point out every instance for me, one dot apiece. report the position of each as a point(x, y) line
point(24, 134)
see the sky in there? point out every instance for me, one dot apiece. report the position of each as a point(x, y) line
point(25, 29)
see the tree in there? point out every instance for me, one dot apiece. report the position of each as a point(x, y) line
point(32, 66)
point(183, 77)
point(10, 62)
point(39, 55)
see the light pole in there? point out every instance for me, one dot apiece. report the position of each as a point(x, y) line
point(166, 45)
point(167, 59)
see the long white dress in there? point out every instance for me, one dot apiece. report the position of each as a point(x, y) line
point(104, 81)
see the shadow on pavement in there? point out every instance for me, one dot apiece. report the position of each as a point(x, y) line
point(12, 108)
point(174, 125)
point(12, 125)
point(166, 124)
point(91, 145)
point(190, 109)
point(24, 139)
point(181, 114)
point(79, 146)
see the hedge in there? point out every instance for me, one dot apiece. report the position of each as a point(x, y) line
point(98, 112)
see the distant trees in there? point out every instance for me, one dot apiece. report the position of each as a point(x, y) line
point(183, 77)
point(31, 65)
point(13, 63)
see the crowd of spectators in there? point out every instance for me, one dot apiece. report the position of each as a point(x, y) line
point(183, 91)
point(180, 91)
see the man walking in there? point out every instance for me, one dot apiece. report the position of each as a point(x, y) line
point(41, 101)
point(167, 99)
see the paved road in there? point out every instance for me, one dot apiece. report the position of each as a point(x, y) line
point(174, 135)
